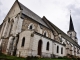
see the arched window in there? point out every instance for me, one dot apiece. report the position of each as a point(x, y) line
point(47, 46)
point(30, 27)
point(23, 42)
point(61, 50)
point(45, 34)
point(40, 47)
point(57, 49)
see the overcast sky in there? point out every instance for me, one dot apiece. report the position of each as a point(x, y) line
point(57, 11)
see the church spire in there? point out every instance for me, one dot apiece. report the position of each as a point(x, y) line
point(71, 33)
point(71, 27)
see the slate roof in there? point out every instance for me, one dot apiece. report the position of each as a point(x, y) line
point(71, 27)
point(45, 22)
point(64, 35)
point(32, 15)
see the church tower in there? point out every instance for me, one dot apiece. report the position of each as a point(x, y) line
point(71, 33)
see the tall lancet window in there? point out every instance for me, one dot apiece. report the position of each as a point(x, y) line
point(61, 50)
point(57, 49)
point(23, 42)
point(47, 47)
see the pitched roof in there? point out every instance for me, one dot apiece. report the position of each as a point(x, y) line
point(45, 22)
point(32, 15)
point(64, 35)
point(71, 27)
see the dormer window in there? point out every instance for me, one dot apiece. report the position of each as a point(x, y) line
point(44, 33)
point(31, 26)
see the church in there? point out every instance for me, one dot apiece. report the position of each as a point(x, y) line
point(23, 33)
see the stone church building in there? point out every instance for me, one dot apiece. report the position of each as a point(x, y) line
point(23, 33)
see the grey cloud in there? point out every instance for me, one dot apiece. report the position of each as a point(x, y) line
point(0, 3)
point(76, 19)
point(0, 10)
point(0, 6)
point(75, 12)
point(2, 16)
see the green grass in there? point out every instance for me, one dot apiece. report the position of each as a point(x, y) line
point(2, 56)
point(19, 58)
point(7, 57)
point(51, 59)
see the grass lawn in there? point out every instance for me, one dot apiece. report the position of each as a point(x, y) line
point(18, 58)
point(2, 56)
point(51, 59)
point(6, 57)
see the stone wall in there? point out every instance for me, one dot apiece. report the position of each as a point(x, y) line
point(24, 51)
point(37, 27)
point(4, 45)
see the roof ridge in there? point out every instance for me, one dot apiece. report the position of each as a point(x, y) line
point(28, 8)
point(27, 12)
point(56, 28)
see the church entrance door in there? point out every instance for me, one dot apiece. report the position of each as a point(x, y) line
point(40, 47)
